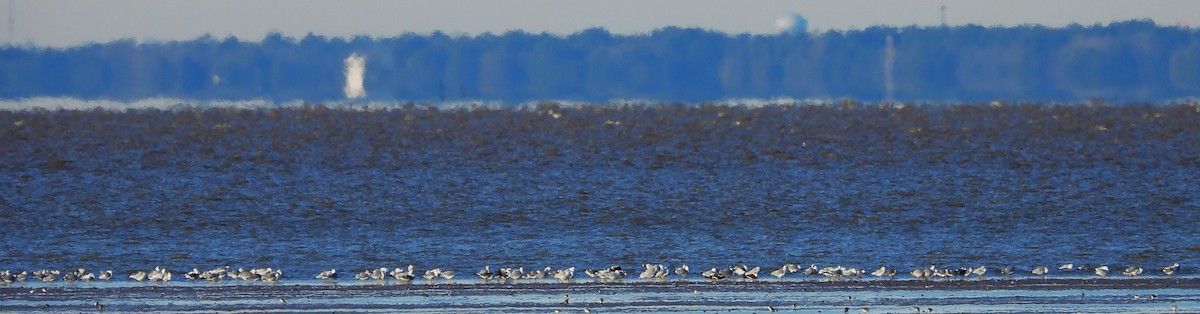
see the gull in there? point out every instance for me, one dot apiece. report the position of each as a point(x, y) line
point(432, 274)
point(70, 276)
point(485, 273)
point(882, 271)
point(779, 273)
point(379, 274)
point(139, 276)
point(853, 272)
point(193, 275)
point(87, 277)
point(1132, 271)
point(215, 274)
point(1100, 271)
point(662, 273)
point(448, 274)
point(979, 271)
point(272, 276)
point(1041, 271)
point(564, 274)
point(1067, 266)
point(538, 274)
point(612, 273)
point(1007, 270)
point(751, 274)
point(328, 274)
point(650, 271)
point(919, 274)
point(682, 271)
point(712, 274)
point(403, 275)
point(811, 270)
point(1170, 270)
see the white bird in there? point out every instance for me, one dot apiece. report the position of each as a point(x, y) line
point(712, 274)
point(403, 275)
point(193, 274)
point(779, 273)
point(682, 271)
point(1132, 271)
point(379, 274)
point(272, 276)
point(811, 270)
point(1100, 271)
point(918, 273)
point(328, 274)
point(538, 273)
point(649, 272)
point(1170, 270)
point(564, 274)
point(105, 275)
point(432, 274)
point(1067, 266)
point(139, 275)
point(448, 274)
point(1041, 271)
point(979, 271)
point(751, 274)
point(880, 272)
point(485, 273)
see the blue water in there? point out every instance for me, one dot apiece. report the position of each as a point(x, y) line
point(310, 188)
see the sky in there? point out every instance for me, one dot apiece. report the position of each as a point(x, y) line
point(65, 23)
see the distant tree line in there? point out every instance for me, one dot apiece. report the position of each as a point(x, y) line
point(1124, 61)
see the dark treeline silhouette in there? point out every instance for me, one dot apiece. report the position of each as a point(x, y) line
point(1125, 61)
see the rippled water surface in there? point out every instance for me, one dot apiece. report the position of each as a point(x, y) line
point(310, 188)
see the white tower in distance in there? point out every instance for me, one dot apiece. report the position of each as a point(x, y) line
point(356, 68)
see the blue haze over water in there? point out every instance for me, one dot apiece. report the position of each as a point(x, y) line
point(309, 188)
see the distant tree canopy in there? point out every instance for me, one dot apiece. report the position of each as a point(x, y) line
point(1126, 61)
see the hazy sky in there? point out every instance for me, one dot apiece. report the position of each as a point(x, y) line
point(72, 22)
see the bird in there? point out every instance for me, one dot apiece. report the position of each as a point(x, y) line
point(649, 272)
point(1170, 270)
point(432, 274)
point(403, 275)
point(448, 274)
point(1067, 266)
point(1041, 271)
point(1100, 271)
point(363, 275)
point(918, 274)
point(1007, 270)
point(682, 271)
point(880, 272)
point(564, 274)
point(139, 275)
point(751, 274)
point(328, 274)
point(979, 271)
point(779, 273)
point(486, 273)
point(193, 274)
point(1132, 271)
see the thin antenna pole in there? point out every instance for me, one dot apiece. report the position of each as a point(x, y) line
point(10, 22)
point(943, 15)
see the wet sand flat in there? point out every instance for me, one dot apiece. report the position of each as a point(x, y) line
point(1158, 295)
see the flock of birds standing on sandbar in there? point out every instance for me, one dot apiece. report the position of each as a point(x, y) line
point(652, 272)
